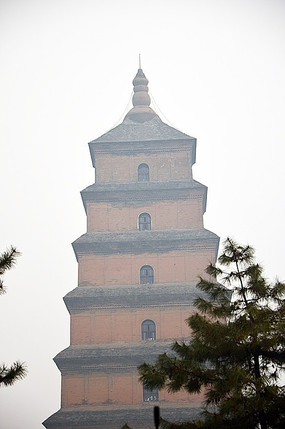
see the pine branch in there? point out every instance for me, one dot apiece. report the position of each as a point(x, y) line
point(8, 376)
point(8, 259)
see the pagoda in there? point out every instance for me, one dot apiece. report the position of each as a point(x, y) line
point(138, 266)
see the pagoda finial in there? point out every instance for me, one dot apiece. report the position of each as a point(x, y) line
point(141, 110)
point(140, 97)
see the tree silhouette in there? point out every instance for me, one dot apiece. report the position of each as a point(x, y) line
point(17, 371)
point(237, 350)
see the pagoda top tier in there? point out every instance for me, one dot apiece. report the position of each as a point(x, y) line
point(141, 123)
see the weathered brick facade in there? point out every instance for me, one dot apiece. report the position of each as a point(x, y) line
point(138, 264)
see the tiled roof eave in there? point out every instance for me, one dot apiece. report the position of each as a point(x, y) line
point(151, 130)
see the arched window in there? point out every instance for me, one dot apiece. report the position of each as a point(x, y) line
point(148, 330)
point(144, 222)
point(146, 275)
point(150, 394)
point(143, 173)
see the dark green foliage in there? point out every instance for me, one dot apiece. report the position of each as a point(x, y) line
point(237, 348)
point(164, 424)
point(17, 371)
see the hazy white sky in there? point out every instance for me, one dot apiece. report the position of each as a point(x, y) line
point(216, 70)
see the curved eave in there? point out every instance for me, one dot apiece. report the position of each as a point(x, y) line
point(134, 296)
point(144, 191)
point(138, 242)
point(138, 416)
point(111, 357)
point(152, 130)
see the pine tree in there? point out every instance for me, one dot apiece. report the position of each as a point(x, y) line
point(17, 371)
point(237, 349)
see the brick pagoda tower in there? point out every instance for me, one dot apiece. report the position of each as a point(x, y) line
point(138, 265)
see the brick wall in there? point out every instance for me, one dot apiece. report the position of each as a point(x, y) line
point(163, 166)
point(164, 215)
point(118, 389)
point(172, 267)
point(124, 326)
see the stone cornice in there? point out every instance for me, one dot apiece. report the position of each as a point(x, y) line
point(152, 146)
point(109, 357)
point(157, 295)
point(145, 191)
point(113, 416)
point(138, 242)
point(129, 148)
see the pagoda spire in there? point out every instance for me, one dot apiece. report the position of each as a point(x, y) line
point(141, 111)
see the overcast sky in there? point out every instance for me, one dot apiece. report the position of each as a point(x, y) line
point(216, 72)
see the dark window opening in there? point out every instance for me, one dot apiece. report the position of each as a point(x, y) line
point(150, 394)
point(143, 173)
point(146, 275)
point(144, 222)
point(148, 330)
